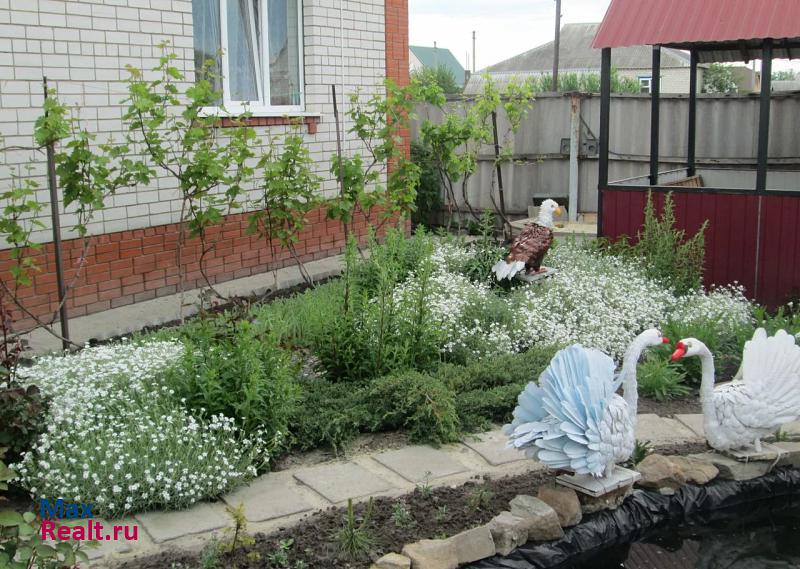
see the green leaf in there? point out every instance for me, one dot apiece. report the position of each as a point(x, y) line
point(9, 518)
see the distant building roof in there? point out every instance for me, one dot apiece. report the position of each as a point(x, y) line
point(575, 54)
point(435, 56)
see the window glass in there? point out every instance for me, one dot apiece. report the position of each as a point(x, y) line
point(243, 60)
point(207, 41)
point(284, 52)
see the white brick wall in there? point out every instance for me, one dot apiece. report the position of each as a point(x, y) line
point(83, 47)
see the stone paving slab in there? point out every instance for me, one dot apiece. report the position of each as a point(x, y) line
point(492, 448)
point(420, 463)
point(270, 496)
point(694, 422)
point(200, 518)
point(660, 430)
point(339, 481)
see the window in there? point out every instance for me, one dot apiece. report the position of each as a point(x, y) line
point(257, 48)
point(645, 84)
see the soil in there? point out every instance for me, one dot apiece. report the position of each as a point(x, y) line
point(687, 405)
point(432, 513)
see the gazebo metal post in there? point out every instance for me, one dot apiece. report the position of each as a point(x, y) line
point(655, 94)
point(763, 118)
point(605, 112)
point(690, 151)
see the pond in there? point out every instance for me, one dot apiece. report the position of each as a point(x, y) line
point(764, 535)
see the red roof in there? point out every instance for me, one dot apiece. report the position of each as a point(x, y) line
point(665, 22)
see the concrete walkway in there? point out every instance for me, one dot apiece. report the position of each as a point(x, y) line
point(134, 317)
point(280, 499)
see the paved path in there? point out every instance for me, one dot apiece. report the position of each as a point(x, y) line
point(279, 499)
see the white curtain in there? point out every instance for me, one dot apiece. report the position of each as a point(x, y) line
point(243, 52)
point(284, 52)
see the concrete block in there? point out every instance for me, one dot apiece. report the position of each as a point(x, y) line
point(492, 448)
point(200, 518)
point(271, 496)
point(420, 463)
point(339, 481)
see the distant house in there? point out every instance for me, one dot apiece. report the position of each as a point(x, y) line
point(576, 55)
point(433, 57)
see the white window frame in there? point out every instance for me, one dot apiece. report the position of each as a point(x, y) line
point(646, 80)
point(257, 108)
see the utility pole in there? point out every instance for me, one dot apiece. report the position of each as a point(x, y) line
point(473, 51)
point(555, 46)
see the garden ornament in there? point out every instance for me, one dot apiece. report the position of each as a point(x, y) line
point(530, 246)
point(738, 414)
point(573, 420)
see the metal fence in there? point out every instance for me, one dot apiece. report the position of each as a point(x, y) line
point(726, 145)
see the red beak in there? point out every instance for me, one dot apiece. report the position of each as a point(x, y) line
point(680, 351)
point(665, 340)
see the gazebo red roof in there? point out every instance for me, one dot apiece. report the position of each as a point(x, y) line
point(677, 23)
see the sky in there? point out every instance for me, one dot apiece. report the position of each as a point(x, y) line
point(505, 28)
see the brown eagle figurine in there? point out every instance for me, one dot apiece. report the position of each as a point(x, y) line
point(530, 246)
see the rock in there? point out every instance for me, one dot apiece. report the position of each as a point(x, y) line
point(730, 469)
point(542, 519)
point(792, 456)
point(392, 561)
point(564, 501)
point(508, 532)
point(610, 501)
point(474, 544)
point(432, 554)
point(695, 471)
point(658, 471)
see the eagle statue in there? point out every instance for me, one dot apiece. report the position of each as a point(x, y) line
point(530, 246)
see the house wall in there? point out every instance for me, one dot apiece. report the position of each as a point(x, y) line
point(673, 79)
point(83, 49)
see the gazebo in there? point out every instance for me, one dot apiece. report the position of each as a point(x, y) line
point(754, 228)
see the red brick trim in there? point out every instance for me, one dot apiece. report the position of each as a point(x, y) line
point(396, 14)
point(310, 122)
point(131, 266)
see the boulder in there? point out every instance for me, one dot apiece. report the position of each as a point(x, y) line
point(508, 532)
point(543, 520)
point(392, 561)
point(432, 554)
point(658, 471)
point(695, 471)
point(564, 501)
point(792, 454)
point(731, 469)
point(474, 544)
point(609, 501)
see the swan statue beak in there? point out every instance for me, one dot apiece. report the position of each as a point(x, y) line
point(558, 211)
point(665, 340)
point(680, 351)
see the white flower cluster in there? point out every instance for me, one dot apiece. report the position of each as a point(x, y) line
point(725, 307)
point(599, 301)
point(116, 436)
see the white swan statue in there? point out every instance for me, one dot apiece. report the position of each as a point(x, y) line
point(737, 415)
point(574, 420)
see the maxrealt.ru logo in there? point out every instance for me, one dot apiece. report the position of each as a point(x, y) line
point(50, 512)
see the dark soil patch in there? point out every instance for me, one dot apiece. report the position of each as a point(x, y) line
point(688, 405)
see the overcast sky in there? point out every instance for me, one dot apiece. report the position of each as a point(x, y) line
point(504, 28)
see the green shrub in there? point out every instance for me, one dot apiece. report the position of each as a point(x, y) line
point(22, 410)
point(660, 380)
point(417, 402)
point(235, 368)
point(669, 255)
point(429, 191)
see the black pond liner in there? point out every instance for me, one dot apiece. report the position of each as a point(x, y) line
point(640, 514)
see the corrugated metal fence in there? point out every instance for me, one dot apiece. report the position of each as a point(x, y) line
point(726, 144)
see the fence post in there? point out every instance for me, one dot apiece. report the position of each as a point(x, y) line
point(574, 151)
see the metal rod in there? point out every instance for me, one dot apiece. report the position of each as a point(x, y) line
point(474, 57)
point(338, 141)
point(574, 151)
point(763, 118)
point(655, 94)
point(691, 143)
point(556, 45)
point(605, 112)
point(497, 162)
point(56, 221)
